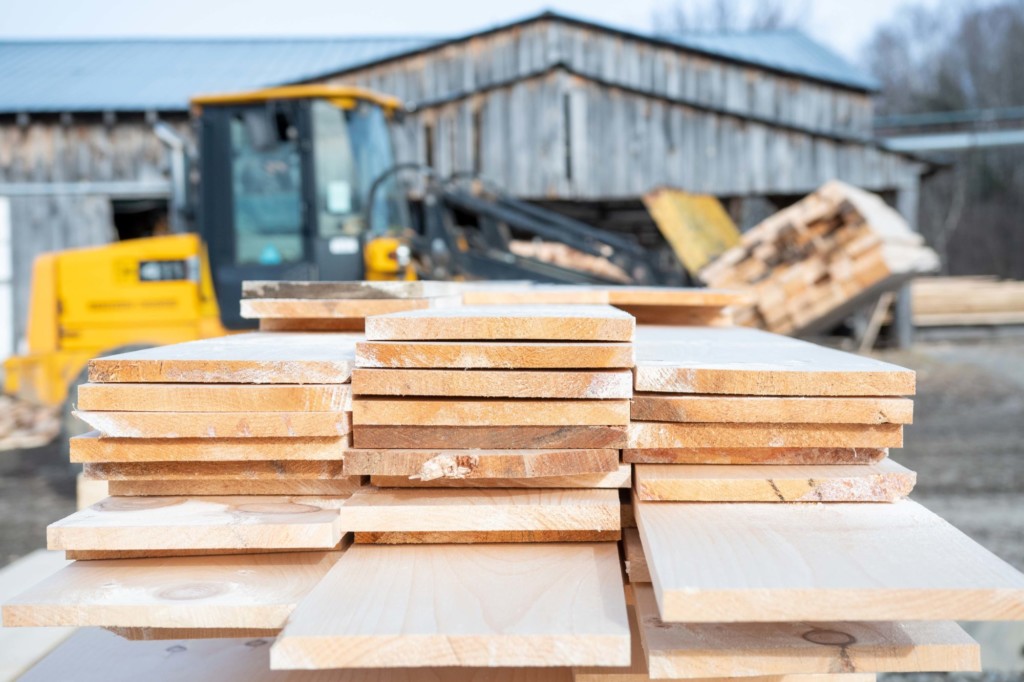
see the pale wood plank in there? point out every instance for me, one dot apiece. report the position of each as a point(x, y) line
point(683, 316)
point(824, 562)
point(197, 471)
point(218, 424)
point(354, 290)
point(621, 477)
point(678, 435)
point(287, 308)
point(687, 650)
point(427, 510)
point(341, 488)
point(138, 523)
point(137, 634)
point(483, 537)
point(92, 448)
point(367, 411)
point(470, 605)
point(770, 409)
point(95, 655)
point(557, 294)
point(488, 355)
point(254, 358)
point(490, 437)
point(752, 362)
point(250, 591)
point(482, 383)
point(884, 481)
point(636, 562)
point(214, 397)
point(773, 456)
point(694, 297)
point(517, 323)
point(429, 465)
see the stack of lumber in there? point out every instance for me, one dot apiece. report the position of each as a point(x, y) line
point(967, 301)
point(484, 547)
point(522, 408)
point(26, 425)
point(649, 305)
point(338, 306)
point(811, 265)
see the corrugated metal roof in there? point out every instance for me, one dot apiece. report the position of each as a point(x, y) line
point(785, 50)
point(141, 75)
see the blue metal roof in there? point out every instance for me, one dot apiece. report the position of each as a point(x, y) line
point(157, 74)
point(789, 50)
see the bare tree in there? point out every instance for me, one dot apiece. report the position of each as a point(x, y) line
point(728, 16)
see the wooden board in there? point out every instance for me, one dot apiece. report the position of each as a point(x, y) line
point(689, 297)
point(487, 355)
point(773, 456)
point(429, 465)
point(743, 361)
point(884, 481)
point(490, 437)
point(237, 359)
point(250, 591)
point(198, 471)
point(354, 290)
point(287, 308)
point(136, 634)
point(636, 562)
point(375, 411)
point(685, 650)
point(469, 605)
point(95, 655)
point(218, 424)
point(653, 407)
point(91, 448)
point(234, 486)
point(555, 294)
point(214, 397)
point(824, 562)
point(317, 324)
point(432, 511)
point(675, 435)
point(482, 383)
point(484, 536)
point(621, 477)
point(682, 316)
point(516, 323)
point(137, 523)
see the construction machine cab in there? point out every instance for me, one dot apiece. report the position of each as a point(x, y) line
point(285, 179)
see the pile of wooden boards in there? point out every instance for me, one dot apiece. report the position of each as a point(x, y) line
point(25, 425)
point(338, 306)
point(967, 301)
point(811, 265)
point(499, 442)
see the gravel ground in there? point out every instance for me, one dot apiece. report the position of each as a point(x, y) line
point(967, 445)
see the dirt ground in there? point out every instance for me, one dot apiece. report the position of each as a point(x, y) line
point(966, 444)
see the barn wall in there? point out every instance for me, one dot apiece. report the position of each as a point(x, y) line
point(43, 165)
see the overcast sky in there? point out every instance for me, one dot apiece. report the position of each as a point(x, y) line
point(842, 24)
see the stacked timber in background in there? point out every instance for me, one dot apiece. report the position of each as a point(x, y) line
point(338, 306)
point(967, 301)
point(816, 262)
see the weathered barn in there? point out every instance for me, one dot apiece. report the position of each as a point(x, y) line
point(583, 116)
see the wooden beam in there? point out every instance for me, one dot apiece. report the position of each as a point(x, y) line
point(636, 562)
point(536, 605)
point(91, 448)
point(457, 511)
point(772, 455)
point(675, 435)
point(516, 323)
point(198, 471)
point(488, 355)
point(653, 407)
point(214, 397)
point(250, 591)
point(234, 486)
point(743, 361)
point(218, 424)
point(490, 437)
point(621, 477)
point(885, 481)
point(138, 523)
point(488, 412)
point(686, 651)
point(482, 383)
point(238, 359)
point(825, 562)
point(429, 465)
